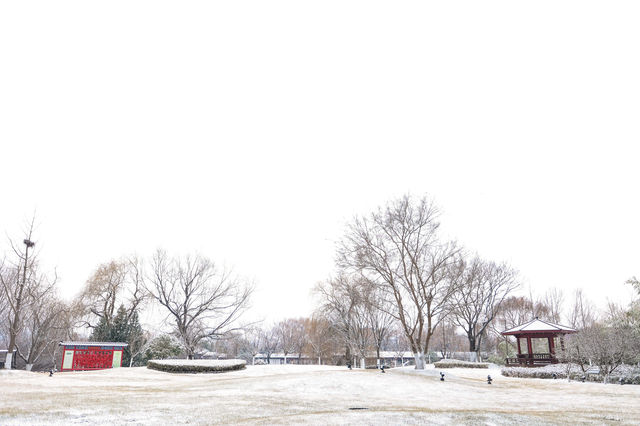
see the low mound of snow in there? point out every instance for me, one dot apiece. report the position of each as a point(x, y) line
point(196, 365)
point(4, 372)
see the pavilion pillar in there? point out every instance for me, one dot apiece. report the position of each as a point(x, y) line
point(552, 347)
point(530, 350)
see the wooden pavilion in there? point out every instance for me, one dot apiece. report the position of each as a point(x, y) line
point(537, 342)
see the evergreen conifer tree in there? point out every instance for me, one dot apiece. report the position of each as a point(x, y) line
point(122, 329)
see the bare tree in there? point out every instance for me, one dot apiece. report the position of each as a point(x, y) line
point(4, 301)
point(292, 337)
point(397, 342)
point(361, 336)
point(115, 283)
point(553, 299)
point(396, 247)
point(269, 342)
point(607, 347)
point(300, 337)
point(583, 312)
point(201, 300)
point(44, 323)
point(320, 338)
point(250, 342)
point(377, 308)
point(338, 300)
point(138, 345)
point(514, 310)
point(18, 275)
point(446, 340)
point(483, 287)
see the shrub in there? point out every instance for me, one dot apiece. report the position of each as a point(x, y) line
point(163, 347)
point(495, 359)
point(630, 374)
point(542, 372)
point(196, 366)
point(454, 363)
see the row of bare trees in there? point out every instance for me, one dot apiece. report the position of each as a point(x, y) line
point(319, 339)
point(292, 337)
point(357, 313)
point(419, 279)
point(32, 317)
point(608, 342)
point(199, 300)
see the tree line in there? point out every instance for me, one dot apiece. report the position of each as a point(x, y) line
point(398, 286)
point(199, 300)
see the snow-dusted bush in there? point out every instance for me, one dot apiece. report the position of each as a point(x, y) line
point(495, 359)
point(630, 374)
point(196, 365)
point(455, 363)
point(542, 372)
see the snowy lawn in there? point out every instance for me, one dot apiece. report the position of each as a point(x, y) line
point(310, 395)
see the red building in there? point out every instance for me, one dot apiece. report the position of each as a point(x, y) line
point(78, 356)
point(537, 342)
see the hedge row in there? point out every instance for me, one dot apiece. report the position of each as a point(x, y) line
point(196, 366)
point(629, 374)
point(455, 363)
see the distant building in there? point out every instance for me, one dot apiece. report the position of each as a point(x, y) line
point(388, 358)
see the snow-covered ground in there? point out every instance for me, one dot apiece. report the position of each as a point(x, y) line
point(311, 395)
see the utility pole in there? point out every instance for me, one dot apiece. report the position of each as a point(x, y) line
point(13, 327)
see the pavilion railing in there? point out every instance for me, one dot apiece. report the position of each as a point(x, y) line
point(532, 359)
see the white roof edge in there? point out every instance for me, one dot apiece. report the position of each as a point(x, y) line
point(92, 344)
point(539, 325)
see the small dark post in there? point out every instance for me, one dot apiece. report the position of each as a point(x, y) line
point(489, 379)
point(441, 376)
point(621, 381)
point(554, 375)
point(583, 378)
point(382, 368)
point(349, 365)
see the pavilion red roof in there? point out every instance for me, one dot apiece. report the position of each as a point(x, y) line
point(538, 326)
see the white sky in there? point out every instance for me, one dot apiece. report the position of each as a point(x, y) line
point(252, 131)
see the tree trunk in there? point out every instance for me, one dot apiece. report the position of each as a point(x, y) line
point(362, 363)
point(8, 360)
point(419, 357)
point(472, 342)
point(28, 367)
point(13, 333)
